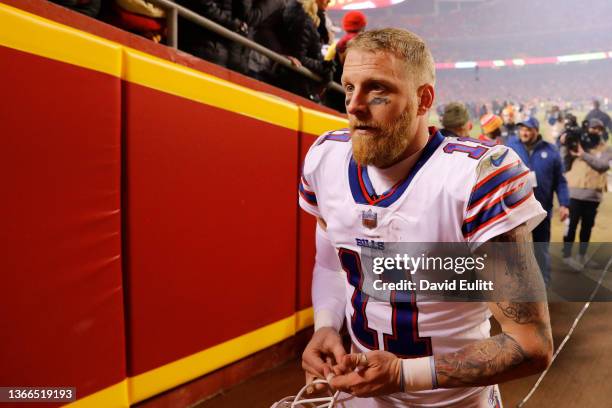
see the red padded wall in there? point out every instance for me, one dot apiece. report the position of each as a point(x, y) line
point(211, 230)
point(60, 238)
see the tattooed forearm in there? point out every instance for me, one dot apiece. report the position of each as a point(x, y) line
point(482, 363)
point(379, 101)
point(521, 313)
point(529, 313)
point(514, 267)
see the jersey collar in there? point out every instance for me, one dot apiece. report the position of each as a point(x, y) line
point(361, 187)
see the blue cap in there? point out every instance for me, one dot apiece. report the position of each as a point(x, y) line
point(530, 122)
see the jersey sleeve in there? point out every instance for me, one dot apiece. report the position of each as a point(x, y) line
point(307, 196)
point(501, 198)
point(312, 169)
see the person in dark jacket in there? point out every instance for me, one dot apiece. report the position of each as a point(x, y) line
point(266, 22)
point(325, 36)
point(231, 14)
point(544, 161)
point(303, 42)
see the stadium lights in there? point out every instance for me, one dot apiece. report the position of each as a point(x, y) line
point(465, 64)
point(360, 4)
point(519, 62)
point(582, 57)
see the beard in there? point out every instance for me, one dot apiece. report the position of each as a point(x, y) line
point(384, 144)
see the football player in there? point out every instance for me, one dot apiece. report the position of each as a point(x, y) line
point(390, 178)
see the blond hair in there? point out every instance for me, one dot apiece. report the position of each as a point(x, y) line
point(311, 8)
point(403, 44)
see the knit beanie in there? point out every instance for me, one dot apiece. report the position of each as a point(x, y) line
point(455, 115)
point(490, 122)
point(354, 21)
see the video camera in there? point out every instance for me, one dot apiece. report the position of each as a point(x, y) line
point(579, 135)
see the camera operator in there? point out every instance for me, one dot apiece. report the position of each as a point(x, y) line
point(587, 159)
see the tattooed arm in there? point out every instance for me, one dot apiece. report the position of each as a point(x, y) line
point(523, 348)
point(525, 345)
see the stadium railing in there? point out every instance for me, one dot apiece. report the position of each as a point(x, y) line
point(174, 10)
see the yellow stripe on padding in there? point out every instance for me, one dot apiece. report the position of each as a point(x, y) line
point(135, 389)
point(165, 76)
point(186, 369)
point(317, 123)
point(304, 318)
point(35, 35)
point(115, 396)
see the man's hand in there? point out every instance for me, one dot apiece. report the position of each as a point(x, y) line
point(368, 374)
point(563, 213)
point(323, 351)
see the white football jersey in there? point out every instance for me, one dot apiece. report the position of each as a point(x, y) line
point(460, 190)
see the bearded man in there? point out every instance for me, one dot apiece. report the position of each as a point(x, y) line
point(388, 179)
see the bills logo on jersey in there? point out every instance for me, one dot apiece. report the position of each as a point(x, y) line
point(369, 219)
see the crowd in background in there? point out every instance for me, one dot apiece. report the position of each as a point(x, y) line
point(574, 82)
point(299, 30)
point(572, 163)
point(303, 31)
point(499, 29)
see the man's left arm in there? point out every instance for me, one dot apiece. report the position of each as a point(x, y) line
point(523, 348)
point(525, 345)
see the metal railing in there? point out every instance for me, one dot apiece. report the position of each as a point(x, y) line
point(174, 10)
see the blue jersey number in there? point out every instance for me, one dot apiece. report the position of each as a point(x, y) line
point(404, 341)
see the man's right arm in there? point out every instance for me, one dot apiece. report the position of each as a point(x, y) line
point(328, 299)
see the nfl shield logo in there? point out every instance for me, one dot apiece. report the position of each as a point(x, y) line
point(369, 219)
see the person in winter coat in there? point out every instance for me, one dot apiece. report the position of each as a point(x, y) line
point(196, 40)
point(303, 42)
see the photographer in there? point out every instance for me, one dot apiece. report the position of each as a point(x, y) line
point(587, 158)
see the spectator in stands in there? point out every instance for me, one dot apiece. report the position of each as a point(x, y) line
point(353, 23)
point(266, 22)
point(456, 120)
point(303, 42)
point(208, 45)
point(509, 127)
point(90, 8)
point(544, 161)
point(597, 113)
point(491, 129)
point(139, 17)
point(325, 27)
point(587, 180)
